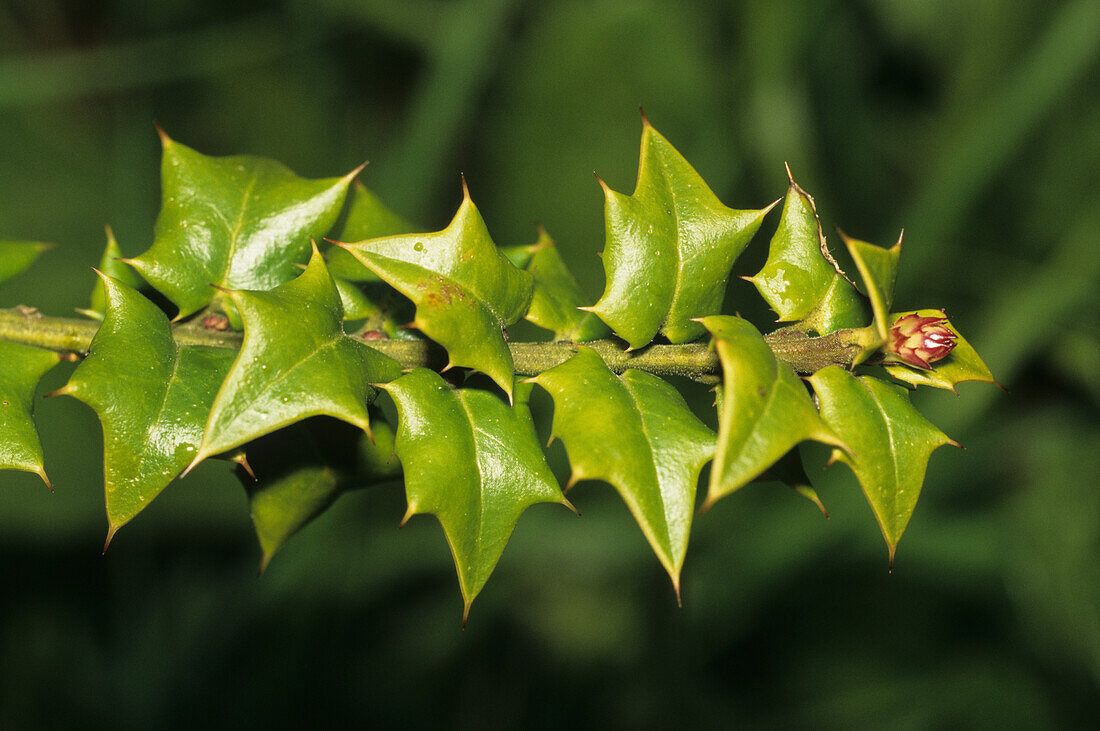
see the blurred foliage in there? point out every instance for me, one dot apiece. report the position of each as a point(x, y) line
point(974, 125)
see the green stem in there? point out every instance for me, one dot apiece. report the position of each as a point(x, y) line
point(692, 360)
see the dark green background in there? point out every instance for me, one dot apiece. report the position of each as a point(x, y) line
point(974, 125)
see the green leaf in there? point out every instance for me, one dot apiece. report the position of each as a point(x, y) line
point(764, 412)
point(295, 362)
point(465, 290)
point(878, 267)
point(368, 218)
point(670, 248)
point(236, 222)
point(16, 256)
point(474, 463)
point(557, 298)
point(302, 469)
point(962, 364)
point(637, 434)
point(801, 280)
point(151, 396)
point(110, 265)
point(21, 367)
point(890, 441)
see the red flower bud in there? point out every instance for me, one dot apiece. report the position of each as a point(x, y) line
point(920, 341)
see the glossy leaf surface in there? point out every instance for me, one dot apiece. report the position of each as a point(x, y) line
point(151, 396)
point(764, 412)
point(801, 280)
point(21, 367)
point(236, 222)
point(295, 362)
point(474, 463)
point(636, 433)
point(15, 256)
point(368, 218)
point(465, 290)
point(670, 247)
point(962, 364)
point(890, 441)
point(301, 470)
point(110, 265)
point(557, 297)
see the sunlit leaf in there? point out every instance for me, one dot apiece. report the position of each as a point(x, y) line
point(465, 290)
point(765, 409)
point(16, 256)
point(301, 470)
point(890, 441)
point(21, 367)
point(151, 395)
point(295, 362)
point(472, 462)
point(962, 364)
point(636, 433)
point(670, 247)
point(110, 265)
point(236, 222)
point(801, 280)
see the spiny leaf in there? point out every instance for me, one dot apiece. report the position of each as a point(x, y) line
point(474, 463)
point(670, 248)
point(15, 256)
point(236, 222)
point(557, 298)
point(636, 433)
point(21, 367)
point(110, 265)
point(465, 290)
point(891, 443)
point(878, 267)
point(962, 364)
point(295, 362)
point(368, 218)
point(765, 409)
point(151, 396)
point(302, 469)
point(801, 280)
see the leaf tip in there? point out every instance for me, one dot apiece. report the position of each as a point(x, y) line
point(410, 511)
point(467, 603)
point(199, 457)
point(41, 472)
point(165, 140)
point(790, 176)
point(645, 119)
point(565, 501)
point(112, 528)
point(605, 186)
point(353, 174)
point(676, 588)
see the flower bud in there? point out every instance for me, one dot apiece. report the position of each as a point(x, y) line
point(920, 341)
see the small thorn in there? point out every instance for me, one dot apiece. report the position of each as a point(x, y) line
point(111, 530)
point(465, 188)
point(263, 564)
point(953, 443)
point(606, 188)
point(551, 440)
point(41, 472)
point(242, 460)
point(354, 173)
point(566, 503)
point(790, 176)
point(63, 391)
point(767, 209)
point(198, 458)
point(676, 588)
point(165, 140)
point(466, 614)
point(409, 512)
point(893, 549)
point(645, 119)
point(573, 480)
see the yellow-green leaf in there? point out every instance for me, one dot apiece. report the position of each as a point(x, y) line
point(110, 265)
point(636, 433)
point(878, 268)
point(464, 288)
point(557, 299)
point(890, 442)
point(21, 367)
point(801, 280)
point(236, 222)
point(474, 463)
point(765, 410)
point(295, 362)
point(15, 256)
point(670, 247)
point(151, 395)
point(368, 218)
